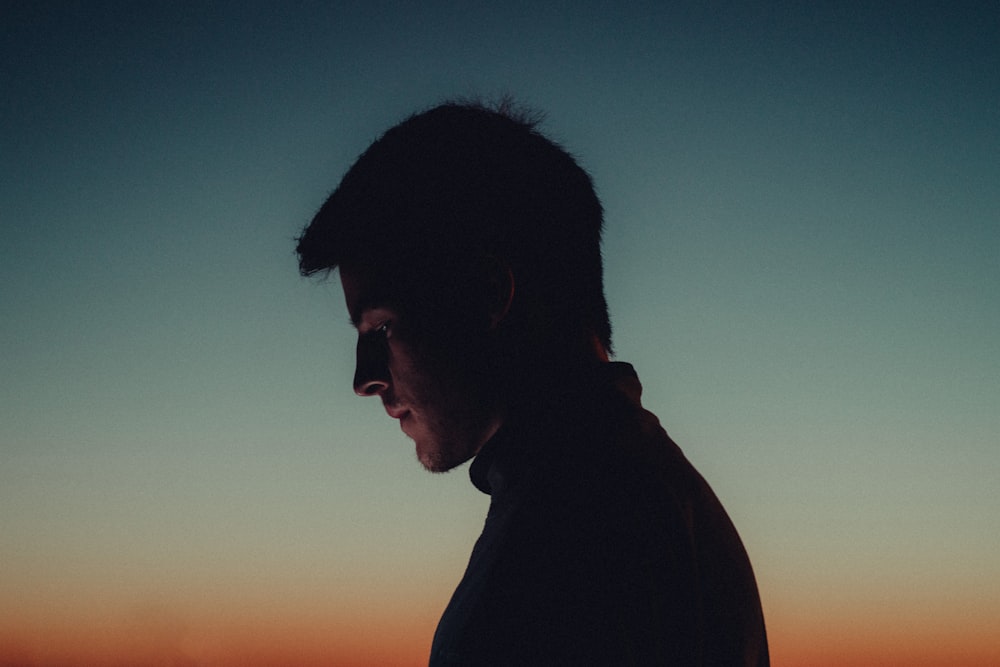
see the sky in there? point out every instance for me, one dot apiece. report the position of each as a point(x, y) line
point(802, 256)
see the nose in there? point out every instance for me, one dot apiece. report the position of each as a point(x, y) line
point(371, 373)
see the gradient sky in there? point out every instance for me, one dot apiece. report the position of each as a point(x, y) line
point(803, 264)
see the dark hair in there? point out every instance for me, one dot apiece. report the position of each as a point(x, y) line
point(461, 182)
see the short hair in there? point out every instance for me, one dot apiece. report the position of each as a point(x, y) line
point(462, 181)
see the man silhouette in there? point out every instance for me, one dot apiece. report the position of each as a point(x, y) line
point(469, 250)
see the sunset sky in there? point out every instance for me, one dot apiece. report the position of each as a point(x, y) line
point(802, 263)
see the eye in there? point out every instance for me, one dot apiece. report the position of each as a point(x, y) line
point(375, 324)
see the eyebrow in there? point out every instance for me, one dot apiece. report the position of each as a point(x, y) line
point(365, 305)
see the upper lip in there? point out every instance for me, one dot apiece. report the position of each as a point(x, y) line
point(395, 411)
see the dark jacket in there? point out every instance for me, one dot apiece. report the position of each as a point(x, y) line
point(602, 546)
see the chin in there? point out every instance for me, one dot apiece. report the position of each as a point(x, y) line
point(435, 458)
point(433, 463)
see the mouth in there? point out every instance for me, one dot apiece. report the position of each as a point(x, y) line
point(396, 412)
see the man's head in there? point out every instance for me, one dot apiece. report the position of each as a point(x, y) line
point(477, 240)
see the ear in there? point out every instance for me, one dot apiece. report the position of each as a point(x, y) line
point(500, 284)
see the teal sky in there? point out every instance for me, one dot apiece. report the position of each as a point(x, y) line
point(802, 262)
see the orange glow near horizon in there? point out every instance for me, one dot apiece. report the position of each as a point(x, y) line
point(896, 637)
point(160, 639)
point(155, 637)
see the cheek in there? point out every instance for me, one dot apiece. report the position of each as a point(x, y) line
point(446, 371)
point(410, 374)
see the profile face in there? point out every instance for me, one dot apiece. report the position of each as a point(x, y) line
point(434, 386)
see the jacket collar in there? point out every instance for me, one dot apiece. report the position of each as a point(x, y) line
point(517, 442)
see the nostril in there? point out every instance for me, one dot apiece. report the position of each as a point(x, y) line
point(371, 374)
point(370, 388)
